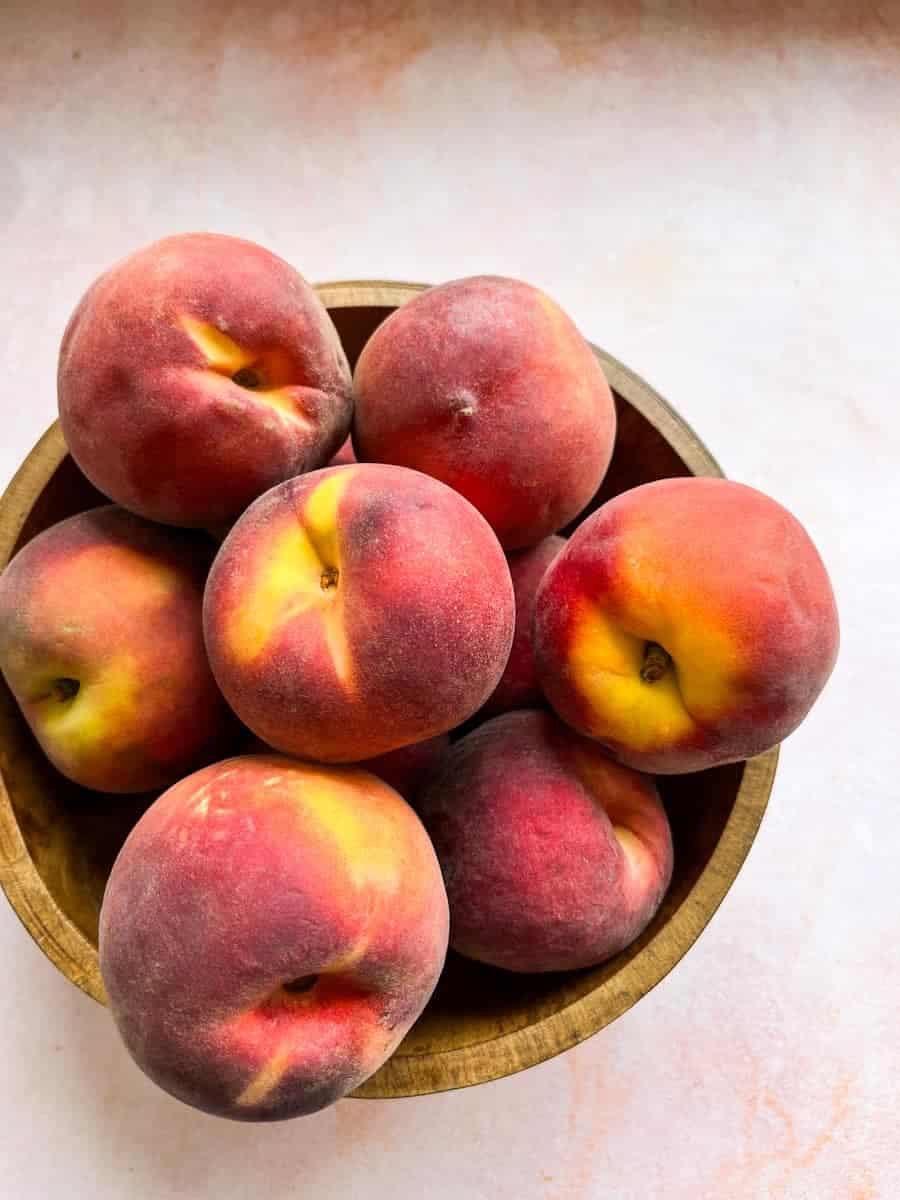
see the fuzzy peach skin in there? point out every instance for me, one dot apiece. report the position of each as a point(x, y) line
point(356, 610)
point(518, 686)
point(554, 856)
point(101, 643)
point(345, 456)
point(688, 622)
point(408, 769)
point(405, 770)
point(197, 373)
point(269, 933)
point(486, 384)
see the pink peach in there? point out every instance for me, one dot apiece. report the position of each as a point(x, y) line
point(356, 610)
point(688, 622)
point(486, 384)
point(269, 933)
point(554, 856)
point(197, 373)
point(101, 643)
point(518, 686)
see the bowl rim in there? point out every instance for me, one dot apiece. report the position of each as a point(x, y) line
point(424, 1072)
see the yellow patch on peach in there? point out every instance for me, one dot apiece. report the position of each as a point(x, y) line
point(265, 1080)
point(268, 369)
point(606, 664)
point(222, 353)
point(557, 317)
point(616, 789)
point(320, 514)
point(632, 847)
point(103, 702)
point(368, 850)
point(606, 661)
point(350, 957)
point(301, 572)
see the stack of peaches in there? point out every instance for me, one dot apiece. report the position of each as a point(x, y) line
point(385, 703)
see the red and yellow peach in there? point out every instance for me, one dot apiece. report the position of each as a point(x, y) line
point(554, 856)
point(270, 931)
point(688, 622)
point(101, 643)
point(409, 768)
point(486, 384)
point(197, 373)
point(518, 686)
point(356, 610)
point(345, 456)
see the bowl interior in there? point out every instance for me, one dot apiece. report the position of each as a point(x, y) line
point(72, 836)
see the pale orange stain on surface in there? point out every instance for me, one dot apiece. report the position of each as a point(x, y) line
point(597, 1095)
point(784, 1162)
point(839, 1111)
point(866, 1190)
point(362, 46)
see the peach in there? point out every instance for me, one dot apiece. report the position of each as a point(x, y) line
point(409, 768)
point(486, 384)
point(345, 456)
point(406, 770)
point(554, 856)
point(197, 373)
point(688, 622)
point(270, 931)
point(356, 610)
point(518, 686)
point(101, 643)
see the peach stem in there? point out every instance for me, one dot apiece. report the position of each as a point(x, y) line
point(64, 689)
point(297, 986)
point(656, 663)
point(247, 377)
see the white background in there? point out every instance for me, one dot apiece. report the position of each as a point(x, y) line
point(712, 191)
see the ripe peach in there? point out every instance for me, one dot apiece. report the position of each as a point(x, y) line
point(345, 456)
point(486, 384)
point(518, 687)
point(688, 622)
point(554, 856)
point(197, 373)
point(270, 931)
point(406, 770)
point(409, 768)
point(101, 643)
point(356, 610)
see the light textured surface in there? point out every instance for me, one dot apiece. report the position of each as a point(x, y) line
point(710, 189)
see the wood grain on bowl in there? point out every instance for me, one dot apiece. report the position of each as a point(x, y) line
point(58, 841)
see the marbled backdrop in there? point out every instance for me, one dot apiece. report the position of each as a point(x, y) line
point(711, 188)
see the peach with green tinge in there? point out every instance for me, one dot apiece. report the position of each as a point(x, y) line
point(486, 384)
point(356, 610)
point(197, 373)
point(101, 643)
point(688, 622)
point(270, 931)
point(554, 856)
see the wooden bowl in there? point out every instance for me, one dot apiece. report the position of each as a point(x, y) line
point(58, 841)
